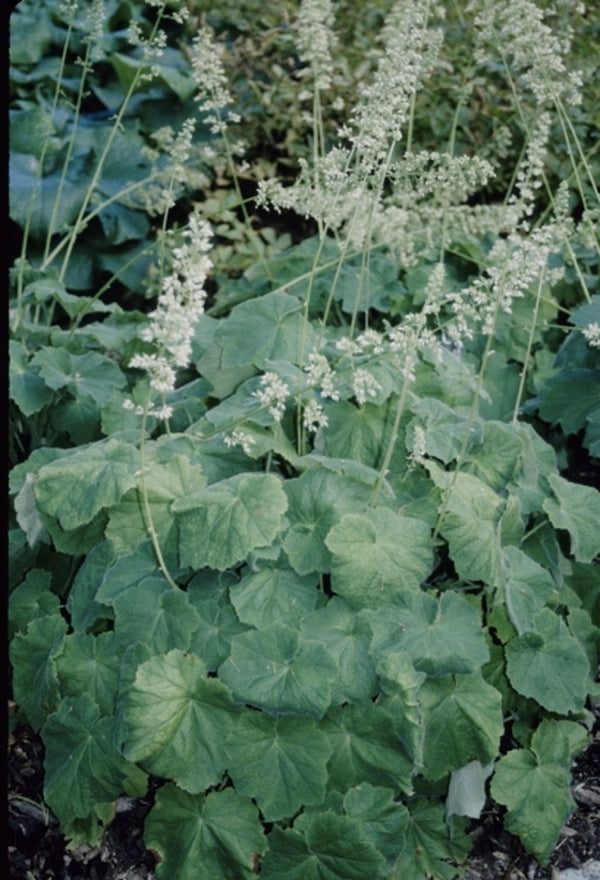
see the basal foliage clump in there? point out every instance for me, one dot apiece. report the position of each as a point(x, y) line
point(296, 529)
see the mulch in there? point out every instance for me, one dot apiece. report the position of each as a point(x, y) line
point(38, 851)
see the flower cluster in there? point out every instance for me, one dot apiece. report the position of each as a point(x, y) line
point(273, 393)
point(316, 40)
point(209, 75)
point(592, 334)
point(180, 304)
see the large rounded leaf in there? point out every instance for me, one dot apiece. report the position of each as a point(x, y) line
point(175, 720)
point(220, 525)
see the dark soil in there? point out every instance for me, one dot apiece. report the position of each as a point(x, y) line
point(37, 849)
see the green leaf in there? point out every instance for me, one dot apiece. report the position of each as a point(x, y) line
point(384, 821)
point(441, 636)
point(463, 722)
point(90, 665)
point(274, 594)
point(279, 762)
point(549, 665)
point(369, 745)
point(534, 786)
point(576, 508)
point(331, 848)
point(220, 525)
point(433, 846)
point(33, 659)
point(527, 588)
point(347, 638)
point(496, 457)
point(27, 388)
point(82, 767)
point(277, 670)
point(196, 836)
point(569, 397)
point(362, 434)
point(470, 525)
point(317, 501)
point(269, 328)
point(175, 720)
point(75, 487)
point(31, 600)
point(443, 426)
point(90, 374)
point(153, 611)
point(378, 554)
point(218, 622)
point(122, 573)
point(81, 601)
point(127, 523)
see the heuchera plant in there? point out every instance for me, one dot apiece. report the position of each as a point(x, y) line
point(300, 542)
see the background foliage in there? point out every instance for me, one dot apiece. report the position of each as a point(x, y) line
point(330, 640)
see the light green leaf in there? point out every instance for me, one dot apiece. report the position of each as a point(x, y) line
point(317, 501)
point(212, 836)
point(152, 610)
point(90, 374)
point(127, 526)
point(369, 745)
point(28, 515)
point(441, 636)
point(443, 426)
point(496, 457)
point(122, 573)
point(279, 762)
point(463, 723)
point(175, 720)
point(362, 434)
point(218, 621)
point(90, 665)
point(470, 525)
point(220, 525)
point(82, 767)
point(332, 848)
point(268, 328)
point(383, 819)
point(576, 509)
point(378, 554)
point(274, 594)
point(434, 847)
point(549, 665)
point(75, 487)
point(347, 638)
point(32, 656)
point(467, 793)
point(534, 786)
point(81, 601)
point(527, 587)
point(277, 670)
